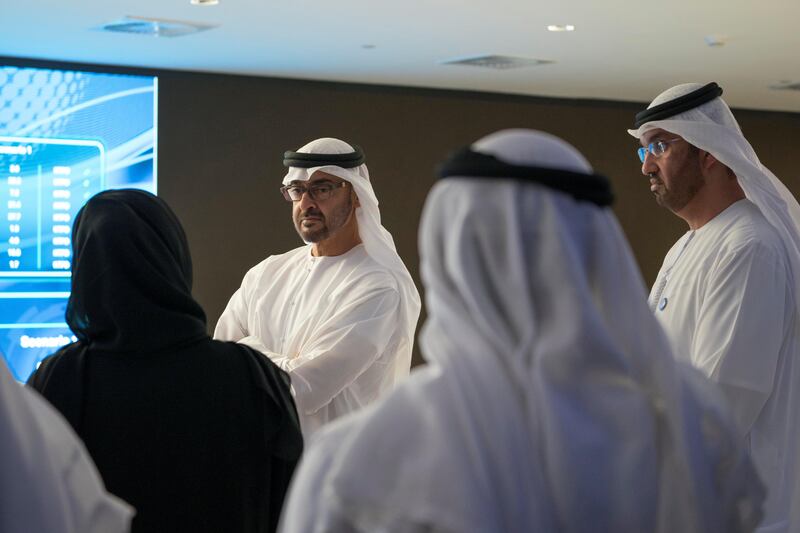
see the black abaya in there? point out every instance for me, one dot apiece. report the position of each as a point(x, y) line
point(198, 435)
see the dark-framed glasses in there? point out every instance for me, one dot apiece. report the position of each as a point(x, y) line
point(318, 191)
point(656, 148)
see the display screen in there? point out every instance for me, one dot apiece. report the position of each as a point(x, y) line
point(65, 135)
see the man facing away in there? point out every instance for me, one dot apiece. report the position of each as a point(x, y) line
point(48, 482)
point(727, 291)
point(338, 314)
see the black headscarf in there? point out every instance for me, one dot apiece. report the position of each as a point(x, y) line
point(198, 435)
point(131, 264)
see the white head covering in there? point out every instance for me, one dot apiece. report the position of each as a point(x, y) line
point(713, 128)
point(377, 240)
point(47, 480)
point(552, 401)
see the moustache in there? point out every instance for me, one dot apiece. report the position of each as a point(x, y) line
point(311, 213)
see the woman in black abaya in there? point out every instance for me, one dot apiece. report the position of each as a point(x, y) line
point(198, 435)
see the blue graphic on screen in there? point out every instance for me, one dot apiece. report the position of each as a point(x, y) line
point(64, 136)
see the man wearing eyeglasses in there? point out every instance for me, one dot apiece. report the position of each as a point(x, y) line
point(339, 313)
point(728, 292)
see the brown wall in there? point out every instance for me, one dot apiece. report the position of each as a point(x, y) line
point(222, 138)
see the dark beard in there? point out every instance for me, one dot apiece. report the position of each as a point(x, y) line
point(680, 195)
point(330, 224)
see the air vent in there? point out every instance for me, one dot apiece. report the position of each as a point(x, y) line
point(497, 62)
point(786, 86)
point(154, 27)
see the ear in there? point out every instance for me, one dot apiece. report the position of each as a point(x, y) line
point(707, 161)
point(355, 199)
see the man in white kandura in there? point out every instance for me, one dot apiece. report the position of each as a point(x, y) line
point(727, 293)
point(338, 314)
point(551, 401)
point(48, 482)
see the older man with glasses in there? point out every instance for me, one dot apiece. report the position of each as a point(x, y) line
point(728, 291)
point(339, 313)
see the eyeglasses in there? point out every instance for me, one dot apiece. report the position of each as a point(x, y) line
point(318, 191)
point(657, 148)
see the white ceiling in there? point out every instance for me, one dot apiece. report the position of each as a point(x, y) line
point(620, 50)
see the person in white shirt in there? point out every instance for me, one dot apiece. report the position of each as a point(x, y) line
point(551, 401)
point(48, 482)
point(339, 313)
point(727, 293)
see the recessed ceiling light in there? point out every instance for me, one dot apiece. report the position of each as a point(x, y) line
point(560, 27)
point(204, 2)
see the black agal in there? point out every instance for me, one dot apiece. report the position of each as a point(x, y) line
point(698, 97)
point(593, 188)
point(304, 160)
